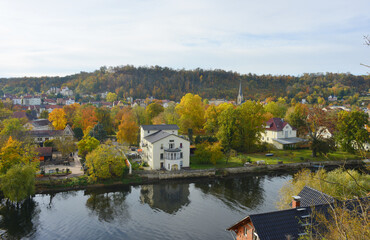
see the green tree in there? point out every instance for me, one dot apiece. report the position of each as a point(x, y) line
point(105, 162)
point(296, 116)
point(65, 146)
point(208, 153)
point(44, 114)
point(250, 125)
point(111, 97)
point(78, 133)
point(170, 115)
point(104, 118)
point(191, 112)
point(18, 182)
point(277, 109)
point(87, 145)
point(13, 127)
point(227, 129)
point(352, 133)
point(153, 110)
point(98, 132)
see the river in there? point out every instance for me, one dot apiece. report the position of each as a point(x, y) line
point(196, 209)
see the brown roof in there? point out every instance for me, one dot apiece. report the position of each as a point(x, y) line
point(44, 151)
point(19, 115)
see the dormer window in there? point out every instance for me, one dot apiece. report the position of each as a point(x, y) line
point(180, 145)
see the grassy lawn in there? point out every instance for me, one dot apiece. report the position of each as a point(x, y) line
point(287, 156)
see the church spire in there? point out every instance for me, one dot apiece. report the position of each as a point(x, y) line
point(239, 100)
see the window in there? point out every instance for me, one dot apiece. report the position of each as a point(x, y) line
point(180, 145)
point(263, 138)
point(267, 138)
point(169, 167)
point(162, 146)
point(181, 164)
point(172, 140)
point(181, 155)
point(148, 131)
point(245, 231)
point(161, 155)
point(171, 145)
point(39, 139)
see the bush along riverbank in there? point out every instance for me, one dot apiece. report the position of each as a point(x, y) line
point(147, 177)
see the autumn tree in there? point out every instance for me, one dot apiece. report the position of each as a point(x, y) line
point(105, 162)
point(170, 115)
point(71, 111)
point(249, 123)
point(18, 182)
point(86, 118)
point(296, 116)
point(104, 118)
point(111, 97)
point(65, 146)
point(98, 132)
point(153, 110)
point(87, 145)
point(191, 112)
point(317, 122)
point(211, 124)
point(352, 133)
point(128, 129)
point(58, 118)
point(13, 152)
point(13, 127)
point(277, 109)
point(208, 153)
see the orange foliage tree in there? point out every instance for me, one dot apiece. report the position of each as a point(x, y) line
point(128, 129)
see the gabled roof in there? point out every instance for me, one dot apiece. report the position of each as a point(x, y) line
point(160, 127)
point(157, 136)
point(46, 133)
point(40, 122)
point(312, 197)
point(276, 124)
point(45, 151)
point(152, 138)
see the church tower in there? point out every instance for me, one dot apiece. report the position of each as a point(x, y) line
point(239, 100)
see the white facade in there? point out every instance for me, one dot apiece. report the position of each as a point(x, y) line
point(164, 149)
point(287, 132)
point(17, 101)
point(66, 91)
point(31, 101)
point(70, 102)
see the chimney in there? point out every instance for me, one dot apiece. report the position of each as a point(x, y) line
point(296, 202)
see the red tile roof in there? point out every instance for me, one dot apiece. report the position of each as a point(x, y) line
point(276, 124)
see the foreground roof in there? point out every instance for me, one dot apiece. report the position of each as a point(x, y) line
point(291, 140)
point(160, 127)
point(157, 136)
point(312, 197)
point(276, 124)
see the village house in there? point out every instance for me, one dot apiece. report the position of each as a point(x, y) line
point(163, 148)
point(280, 134)
point(38, 124)
point(40, 136)
point(291, 223)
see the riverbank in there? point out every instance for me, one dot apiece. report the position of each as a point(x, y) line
point(149, 177)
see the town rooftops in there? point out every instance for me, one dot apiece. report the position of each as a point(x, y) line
point(276, 124)
point(160, 127)
point(45, 151)
point(46, 133)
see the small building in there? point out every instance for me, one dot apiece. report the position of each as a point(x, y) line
point(40, 136)
point(280, 134)
point(38, 124)
point(45, 153)
point(291, 223)
point(163, 148)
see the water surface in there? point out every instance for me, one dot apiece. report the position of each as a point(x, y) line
point(197, 209)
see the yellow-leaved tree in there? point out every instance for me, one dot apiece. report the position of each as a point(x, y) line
point(105, 162)
point(191, 112)
point(58, 118)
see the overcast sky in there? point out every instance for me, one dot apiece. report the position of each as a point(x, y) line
point(51, 37)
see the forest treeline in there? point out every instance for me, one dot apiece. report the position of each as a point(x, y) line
point(167, 83)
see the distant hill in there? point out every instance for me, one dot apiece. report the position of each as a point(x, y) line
point(167, 83)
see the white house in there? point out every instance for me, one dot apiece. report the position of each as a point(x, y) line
point(38, 124)
point(280, 134)
point(65, 91)
point(163, 148)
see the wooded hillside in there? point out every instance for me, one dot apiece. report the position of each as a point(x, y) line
point(166, 83)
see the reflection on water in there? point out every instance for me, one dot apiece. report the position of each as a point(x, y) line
point(197, 209)
point(169, 197)
point(18, 221)
point(108, 205)
point(237, 192)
